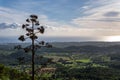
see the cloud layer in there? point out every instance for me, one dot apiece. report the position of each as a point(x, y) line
point(93, 19)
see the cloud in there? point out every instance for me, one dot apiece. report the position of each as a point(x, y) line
point(103, 15)
point(112, 14)
point(6, 26)
point(85, 7)
point(97, 19)
point(101, 19)
point(9, 32)
point(8, 15)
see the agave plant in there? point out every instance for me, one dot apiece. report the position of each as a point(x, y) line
point(30, 27)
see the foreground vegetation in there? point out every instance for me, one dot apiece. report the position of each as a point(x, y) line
point(90, 65)
point(12, 74)
point(64, 73)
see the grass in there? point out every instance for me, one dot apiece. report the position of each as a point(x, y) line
point(97, 65)
point(56, 58)
point(84, 60)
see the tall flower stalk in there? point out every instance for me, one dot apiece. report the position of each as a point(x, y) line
point(32, 28)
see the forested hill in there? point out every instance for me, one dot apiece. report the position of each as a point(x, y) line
point(99, 44)
point(79, 47)
point(66, 44)
point(72, 54)
point(83, 49)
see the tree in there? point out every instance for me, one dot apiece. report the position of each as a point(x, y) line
point(33, 27)
point(21, 60)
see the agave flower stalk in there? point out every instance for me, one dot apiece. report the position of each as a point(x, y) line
point(32, 28)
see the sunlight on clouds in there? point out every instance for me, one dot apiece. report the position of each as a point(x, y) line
point(112, 38)
point(97, 23)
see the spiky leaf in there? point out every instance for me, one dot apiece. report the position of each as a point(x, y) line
point(27, 24)
point(21, 38)
point(33, 37)
point(27, 20)
point(37, 23)
point(28, 34)
point(49, 46)
point(33, 20)
point(29, 30)
point(41, 29)
point(37, 46)
point(34, 16)
point(23, 26)
point(42, 42)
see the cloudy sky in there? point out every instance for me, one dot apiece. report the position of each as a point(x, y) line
point(66, 20)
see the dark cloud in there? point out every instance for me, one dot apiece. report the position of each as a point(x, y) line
point(112, 14)
point(109, 20)
point(5, 26)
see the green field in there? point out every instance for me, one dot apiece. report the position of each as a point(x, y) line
point(84, 60)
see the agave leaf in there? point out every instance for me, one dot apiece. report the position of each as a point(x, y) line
point(27, 24)
point(27, 20)
point(34, 16)
point(37, 23)
point(42, 42)
point(41, 30)
point(29, 30)
point(21, 38)
point(33, 20)
point(28, 34)
point(23, 26)
point(33, 37)
point(48, 45)
point(37, 46)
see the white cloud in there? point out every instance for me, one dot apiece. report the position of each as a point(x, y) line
point(103, 17)
point(86, 7)
point(11, 16)
point(11, 32)
point(53, 28)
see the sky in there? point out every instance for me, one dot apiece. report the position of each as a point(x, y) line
point(66, 20)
